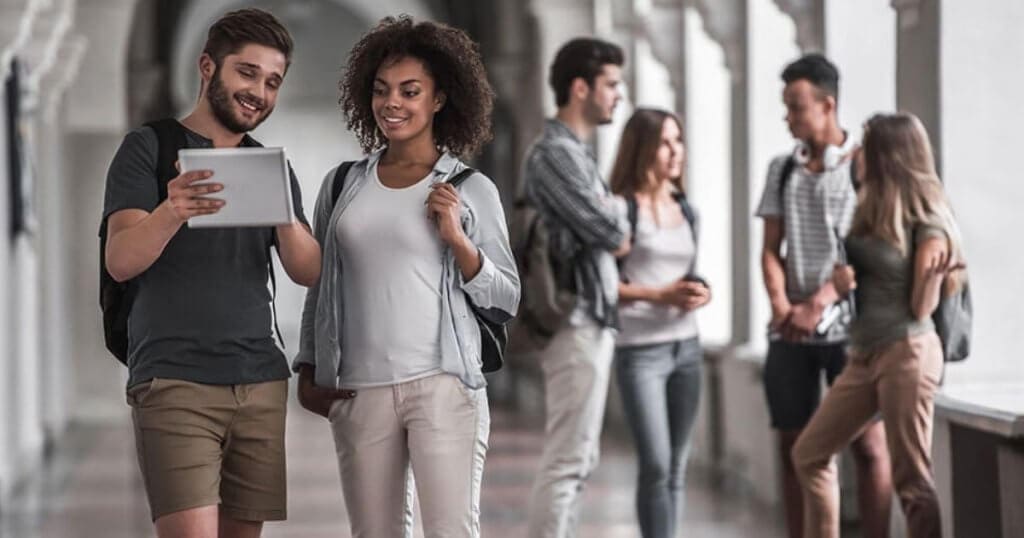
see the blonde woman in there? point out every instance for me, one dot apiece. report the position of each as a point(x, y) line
point(904, 250)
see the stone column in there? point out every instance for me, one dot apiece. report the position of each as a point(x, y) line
point(809, 18)
point(726, 23)
point(55, 342)
point(557, 22)
point(918, 57)
point(867, 67)
point(664, 27)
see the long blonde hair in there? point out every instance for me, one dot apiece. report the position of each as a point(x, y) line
point(901, 188)
point(640, 141)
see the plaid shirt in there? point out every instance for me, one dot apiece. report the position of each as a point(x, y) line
point(562, 182)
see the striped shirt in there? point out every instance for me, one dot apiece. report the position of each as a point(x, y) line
point(561, 180)
point(817, 210)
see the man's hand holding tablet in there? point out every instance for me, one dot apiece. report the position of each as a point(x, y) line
point(187, 199)
point(253, 186)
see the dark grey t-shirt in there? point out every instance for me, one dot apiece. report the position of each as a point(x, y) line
point(885, 282)
point(202, 312)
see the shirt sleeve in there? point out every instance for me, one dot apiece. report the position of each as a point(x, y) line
point(925, 232)
point(771, 198)
point(131, 178)
point(297, 197)
point(307, 327)
point(564, 190)
point(495, 288)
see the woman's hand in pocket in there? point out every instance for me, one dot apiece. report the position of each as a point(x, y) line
point(315, 398)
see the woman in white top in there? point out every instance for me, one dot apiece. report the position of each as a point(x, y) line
point(391, 349)
point(658, 353)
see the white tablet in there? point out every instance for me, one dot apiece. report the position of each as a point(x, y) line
point(257, 186)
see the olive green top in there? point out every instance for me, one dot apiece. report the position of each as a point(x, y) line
point(885, 282)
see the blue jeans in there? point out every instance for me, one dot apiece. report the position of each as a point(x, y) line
point(660, 386)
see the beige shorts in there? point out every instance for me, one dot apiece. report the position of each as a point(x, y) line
point(202, 445)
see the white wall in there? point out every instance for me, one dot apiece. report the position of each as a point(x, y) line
point(867, 67)
point(982, 118)
point(316, 139)
point(708, 171)
point(771, 46)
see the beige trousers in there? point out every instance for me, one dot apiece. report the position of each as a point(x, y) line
point(434, 429)
point(576, 366)
point(899, 380)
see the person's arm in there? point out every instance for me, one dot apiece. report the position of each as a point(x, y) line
point(773, 271)
point(932, 264)
point(298, 249)
point(564, 190)
point(136, 238)
point(686, 294)
point(313, 397)
point(300, 253)
point(488, 272)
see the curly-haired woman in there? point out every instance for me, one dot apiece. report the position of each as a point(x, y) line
point(390, 348)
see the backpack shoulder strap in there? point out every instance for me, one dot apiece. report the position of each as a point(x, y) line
point(853, 174)
point(632, 211)
point(339, 180)
point(632, 215)
point(688, 212)
point(787, 170)
point(170, 138)
point(461, 177)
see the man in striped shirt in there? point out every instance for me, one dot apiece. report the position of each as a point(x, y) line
point(809, 201)
point(562, 182)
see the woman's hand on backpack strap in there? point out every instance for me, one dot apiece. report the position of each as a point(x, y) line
point(443, 205)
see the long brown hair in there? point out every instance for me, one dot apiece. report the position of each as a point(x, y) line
point(901, 188)
point(637, 149)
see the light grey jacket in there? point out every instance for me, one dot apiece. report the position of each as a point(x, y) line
point(494, 290)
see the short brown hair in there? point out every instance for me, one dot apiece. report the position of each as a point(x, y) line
point(583, 57)
point(236, 29)
point(463, 124)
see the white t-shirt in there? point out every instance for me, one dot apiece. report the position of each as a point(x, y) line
point(392, 255)
point(659, 256)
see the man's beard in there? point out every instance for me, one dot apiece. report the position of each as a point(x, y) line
point(221, 105)
point(596, 115)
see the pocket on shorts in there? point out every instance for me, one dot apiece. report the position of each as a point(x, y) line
point(136, 395)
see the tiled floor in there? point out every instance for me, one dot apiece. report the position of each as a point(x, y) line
point(93, 490)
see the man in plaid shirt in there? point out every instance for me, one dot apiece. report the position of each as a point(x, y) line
point(562, 182)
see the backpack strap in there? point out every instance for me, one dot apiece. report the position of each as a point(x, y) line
point(787, 170)
point(170, 137)
point(339, 180)
point(632, 215)
point(461, 177)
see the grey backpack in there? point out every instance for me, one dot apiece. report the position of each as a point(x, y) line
point(952, 319)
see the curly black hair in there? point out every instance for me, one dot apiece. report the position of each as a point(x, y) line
point(463, 124)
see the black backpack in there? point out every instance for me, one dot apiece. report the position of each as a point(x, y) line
point(493, 336)
point(116, 298)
